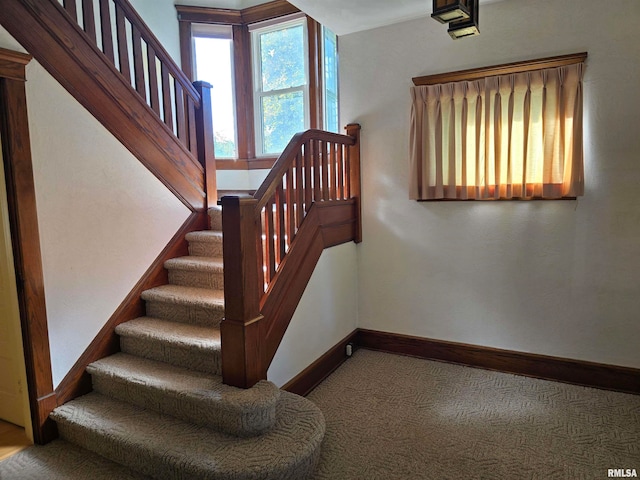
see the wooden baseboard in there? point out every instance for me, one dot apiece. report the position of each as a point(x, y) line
point(589, 374)
point(314, 374)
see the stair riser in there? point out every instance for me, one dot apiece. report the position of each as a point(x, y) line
point(184, 313)
point(205, 249)
point(161, 452)
point(233, 422)
point(202, 361)
point(199, 279)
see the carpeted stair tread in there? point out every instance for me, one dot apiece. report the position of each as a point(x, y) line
point(205, 243)
point(167, 448)
point(181, 295)
point(61, 460)
point(179, 344)
point(212, 236)
point(194, 264)
point(191, 271)
point(191, 396)
point(201, 306)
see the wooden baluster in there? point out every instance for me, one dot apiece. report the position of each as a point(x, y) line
point(71, 8)
point(123, 49)
point(166, 97)
point(181, 119)
point(154, 98)
point(280, 225)
point(271, 241)
point(308, 168)
point(88, 20)
point(299, 189)
point(264, 250)
point(138, 64)
point(241, 329)
point(353, 130)
point(332, 171)
point(291, 205)
point(191, 119)
point(325, 170)
point(317, 166)
point(204, 140)
point(105, 29)
point(340, 172)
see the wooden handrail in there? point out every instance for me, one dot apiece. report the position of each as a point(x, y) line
point(115, 67)
point(285, 160)
point(315, 168)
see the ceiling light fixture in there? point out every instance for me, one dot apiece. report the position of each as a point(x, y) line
point(446, 11)
point(467, 27)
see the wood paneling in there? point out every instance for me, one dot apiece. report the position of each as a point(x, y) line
point(77, 382)
point(23, 218)
point(243, 82)
point(46, 30)
point(314, 374)
point(503, 69)
point(578, 372)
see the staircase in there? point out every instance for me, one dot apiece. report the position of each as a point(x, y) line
point(159, 406)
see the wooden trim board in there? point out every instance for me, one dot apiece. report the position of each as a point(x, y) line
point(589, 374)
point(314, 374)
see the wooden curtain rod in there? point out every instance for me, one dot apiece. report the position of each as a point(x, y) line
point(504, 69)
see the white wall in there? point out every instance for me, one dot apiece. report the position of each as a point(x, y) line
point(556, 277)
point(326, 314)
point(162, 18)
point(103, 217)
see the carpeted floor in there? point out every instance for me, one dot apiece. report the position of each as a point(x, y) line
point(395, 417)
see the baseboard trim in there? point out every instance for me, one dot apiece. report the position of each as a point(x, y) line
point(314, 374)
point(578, 372)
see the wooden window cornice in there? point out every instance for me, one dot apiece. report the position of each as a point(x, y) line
point(226, 16)
point(503, 69)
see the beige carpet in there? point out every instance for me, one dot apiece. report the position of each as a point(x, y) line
point(394, 417)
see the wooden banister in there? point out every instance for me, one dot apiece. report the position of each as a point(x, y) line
point(261, 234)
point(110, 61)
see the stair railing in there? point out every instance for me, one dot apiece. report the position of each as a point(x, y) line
point(104, 54)
point(260, 230)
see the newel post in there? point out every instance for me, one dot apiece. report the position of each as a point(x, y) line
point(353, 130)
point(204, 139)
point(241, 329)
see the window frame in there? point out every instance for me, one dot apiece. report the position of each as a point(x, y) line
point(240, 20)
point(224, 32)
point(256, 31)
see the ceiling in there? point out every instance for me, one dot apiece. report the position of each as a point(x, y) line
point(343, 16)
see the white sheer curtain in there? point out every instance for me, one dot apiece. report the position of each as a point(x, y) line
point(501, 137)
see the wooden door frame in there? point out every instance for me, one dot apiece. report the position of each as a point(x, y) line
point(25, 239)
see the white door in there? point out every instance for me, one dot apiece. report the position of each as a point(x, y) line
point(12, 369)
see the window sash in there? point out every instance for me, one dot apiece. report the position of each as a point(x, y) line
point(259, 94)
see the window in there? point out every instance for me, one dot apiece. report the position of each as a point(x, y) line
point(516, 135)
point(281, 86)
point(282, 67)
point(330, 91)
point(213, 47)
